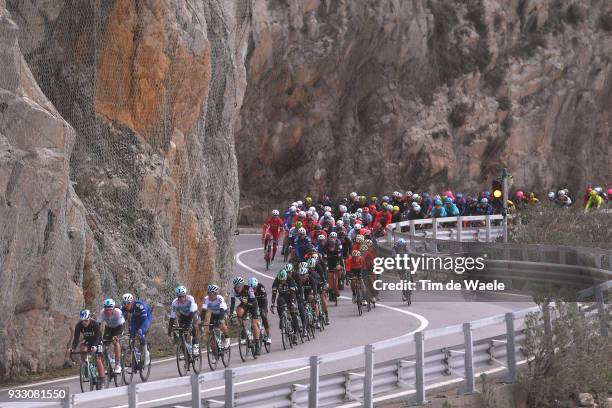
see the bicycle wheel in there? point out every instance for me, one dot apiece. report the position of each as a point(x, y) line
point(243, 344)
point(182, 358)
point(409, 298)
point(359, 305)
point(266, 345)
point(312, 328)
point(212, 352)
point(84, 377)
point(145, 369)
point(196, 362)
point(227, 352)
point(128, 359)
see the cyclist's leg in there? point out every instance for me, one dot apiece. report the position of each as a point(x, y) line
point(82, 348)
point(263, 312)
point(240, 311)
point(281, 304)
point(274, 246)
point(254, 310)
point(99, 362)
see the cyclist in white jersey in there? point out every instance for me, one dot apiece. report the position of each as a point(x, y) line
point(113, 321)
point(185, 308)
point(215, 304)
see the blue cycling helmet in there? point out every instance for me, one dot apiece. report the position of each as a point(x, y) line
point(109, 303)
point(84, 314)
point(401, 242)
point(448, 200)
point(437, 202)
point(458, 195)
point(253, 282)
point(238, 281)
point(180, 290)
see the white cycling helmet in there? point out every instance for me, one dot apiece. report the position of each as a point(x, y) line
point(294, 204)
point(302, 214)
point(340, 223)
point(416, 207)
point(302, 231)
point(327, 214)
point(389, 207)
point(484, 201)
point(360, 210)
point(356, 253)
point(309, 213)
point(342, 209)
point(408, 193)
point(212, 288)
point(238, 281)
point(275, 213)
point(321, 237)
point(84, 314)
point(292, 209)
point(359, 239)
point(333, 235)
point(127, 298)
point(353, 194)
point(303, 268)
point(561, 193)
point(551, 195)
point(598, 189)
point(314, 210)
point(299, 203)
point(396, 194)
point(109, 303)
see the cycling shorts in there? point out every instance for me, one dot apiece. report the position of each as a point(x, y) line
point(250, 308)
point(216, 318)
point(356, 273)
point(110, 332)
point(90, 344)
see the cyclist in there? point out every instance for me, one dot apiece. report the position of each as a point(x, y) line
point(139, 321)
point(215, 304)
point(355, 266)
point(438, 211)
point(113, 321)
point(594, 202)
point(285, 287)
point(262, 301)
point(274, 226)
point(248, 304)
point(369, 253)
point(563, 199)
point(532, 199)
point(186, 308)
point(310, 285)
point(91, 339)
point(302, 244)
point(317, 267)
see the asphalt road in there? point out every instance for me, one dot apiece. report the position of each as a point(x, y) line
point(391, 318)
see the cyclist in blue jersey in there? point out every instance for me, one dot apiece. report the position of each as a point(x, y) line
point(139, 316)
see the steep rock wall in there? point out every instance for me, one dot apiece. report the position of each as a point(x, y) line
point(420, 94)
point(134, 184)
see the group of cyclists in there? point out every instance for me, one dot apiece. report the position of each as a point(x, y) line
point(324, 246)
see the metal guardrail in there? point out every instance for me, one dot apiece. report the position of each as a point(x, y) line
point(437, 228)
point(461, 361)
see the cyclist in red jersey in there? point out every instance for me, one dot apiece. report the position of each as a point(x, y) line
point(273, 225)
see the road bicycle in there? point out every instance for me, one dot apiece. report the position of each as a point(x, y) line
point(133, 360)
point(247, 343)
point(185, 358)
point(215, 347)
point(108, 359)
point(288, 334)
point(311, 324)
point(268, 249)
point(322, 317)
point(88, 372)
point(357, 287)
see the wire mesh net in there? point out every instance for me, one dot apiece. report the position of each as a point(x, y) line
point(151, 89)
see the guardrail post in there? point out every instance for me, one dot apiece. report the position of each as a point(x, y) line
point(196, 401)
point(601, 312)
point(293, 397)
point(469, 358)
point(313, 392)
point(132, 396)
point(368, 386)
point(459, 228)
point(229, 388)
point(488, 227)
point(510, 348)
point(66, 400)
point(347, 386)
point(434, 228)
point(412, 228)
point(547, 324)
point(419, 339)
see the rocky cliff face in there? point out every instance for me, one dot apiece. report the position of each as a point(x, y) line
point(381, 95)
point(117, 169)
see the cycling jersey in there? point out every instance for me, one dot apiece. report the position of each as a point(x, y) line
point(438, 212)
point(288, 286)
point(113, 320)
point(274, 225)
point(302, 246)
point(140, 317)
point(91, 333)
point(185, 308)
point(246, 296)
point(215, 306)
point(451, 210)
point(594, 202)
point(310, 285)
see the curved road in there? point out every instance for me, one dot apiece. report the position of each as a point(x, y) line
point(391, 318)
